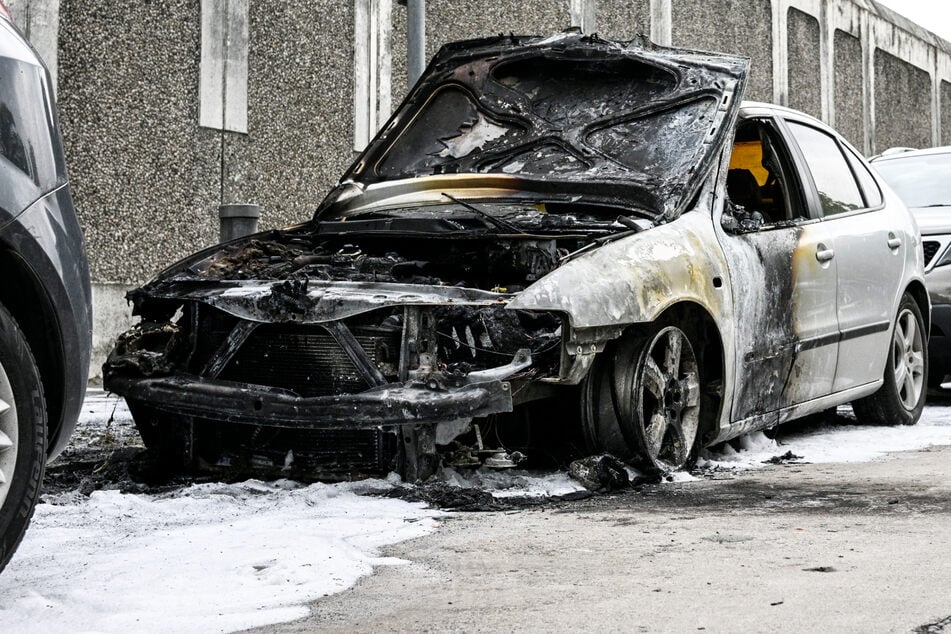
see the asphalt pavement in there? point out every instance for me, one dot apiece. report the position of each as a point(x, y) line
point(861, 547)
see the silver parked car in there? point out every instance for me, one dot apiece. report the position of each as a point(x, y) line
point(921, 179)
point(600, 226)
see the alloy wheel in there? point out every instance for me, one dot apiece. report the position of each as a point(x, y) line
point(667, 399)
point(8, 435)
point(908, 358)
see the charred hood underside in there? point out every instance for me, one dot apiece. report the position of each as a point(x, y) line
point(595, 120)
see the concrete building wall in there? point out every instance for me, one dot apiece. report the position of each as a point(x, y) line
point(173, 107)
point(805, 64)
point(145, 176)
point(848, 92)
point(300, 114)
point(732, 26)
point(901, 87)
point(945, 97)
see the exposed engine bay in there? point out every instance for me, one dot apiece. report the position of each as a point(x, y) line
point(436, 283)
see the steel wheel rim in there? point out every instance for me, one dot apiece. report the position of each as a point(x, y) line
point(8, 435)
point(908, 359)
point(667, 398)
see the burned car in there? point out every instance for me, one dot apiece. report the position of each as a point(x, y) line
point(600, 226)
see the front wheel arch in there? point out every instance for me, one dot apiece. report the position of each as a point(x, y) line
point(704, 337)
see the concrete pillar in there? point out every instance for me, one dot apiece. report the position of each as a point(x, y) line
point(372, 64)
point(223, 81)
point(237, 221)
point(415, 40)
point(780, 52)
point(662, 26)
point(583, 14)
point(39, 21)
point(868, 81)
point(827, 63)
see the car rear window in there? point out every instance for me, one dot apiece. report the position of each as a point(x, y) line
point(27, 130)
point(920, 181)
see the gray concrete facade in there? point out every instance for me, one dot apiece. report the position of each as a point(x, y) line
point(171, 108)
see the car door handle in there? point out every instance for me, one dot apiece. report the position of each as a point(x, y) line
point(824, 254)
point(893, 241)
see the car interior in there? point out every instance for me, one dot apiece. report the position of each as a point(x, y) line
point(756, 180)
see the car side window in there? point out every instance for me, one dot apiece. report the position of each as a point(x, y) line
point(760, 177)
point(870, 189)
point(838, 191)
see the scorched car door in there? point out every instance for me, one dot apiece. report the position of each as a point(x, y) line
point(871, 240)
point(783, 278)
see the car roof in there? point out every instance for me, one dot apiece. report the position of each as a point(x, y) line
point(752, 108)
point(944, 149)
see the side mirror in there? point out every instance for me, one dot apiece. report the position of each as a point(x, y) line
point(736, 219)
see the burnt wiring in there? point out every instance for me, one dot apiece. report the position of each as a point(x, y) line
point(495, 352)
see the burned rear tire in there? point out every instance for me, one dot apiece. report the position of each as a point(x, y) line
point(641, 401)
point(901, 398)
point(22, 436)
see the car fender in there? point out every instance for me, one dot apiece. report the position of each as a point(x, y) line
point(635, 279)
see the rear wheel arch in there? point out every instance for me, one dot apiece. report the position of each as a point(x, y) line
point(901, 397)
point(22, 295)
point(918, 291)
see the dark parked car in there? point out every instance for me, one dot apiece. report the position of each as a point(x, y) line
point(921, 179)
point(548, 231)
point(45, 316)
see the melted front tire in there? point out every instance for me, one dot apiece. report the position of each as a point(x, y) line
point(641, 401)
point(22, 436)
point(901, 398)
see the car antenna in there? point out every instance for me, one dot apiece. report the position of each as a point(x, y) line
point(498, 222)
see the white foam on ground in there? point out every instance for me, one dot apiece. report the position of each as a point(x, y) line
point(837, 442)
point(211, 558)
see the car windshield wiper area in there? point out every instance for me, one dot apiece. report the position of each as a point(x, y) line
point(396, 225)
point(498, 223)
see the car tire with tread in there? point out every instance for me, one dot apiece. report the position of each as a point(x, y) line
point(901, 398)
point(23, 429)
point(641, 400)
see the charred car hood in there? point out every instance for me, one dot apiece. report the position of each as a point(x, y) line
point(569, 115)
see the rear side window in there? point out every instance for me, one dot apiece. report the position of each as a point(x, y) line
point(27, 130)
point(873, 195)
point(838, 190)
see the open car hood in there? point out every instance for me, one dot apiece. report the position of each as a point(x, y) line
point(568, 116)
